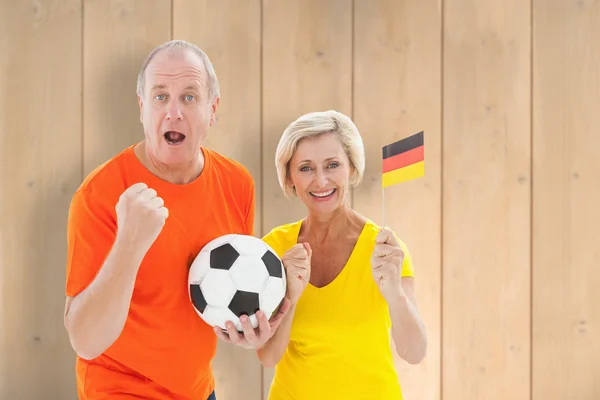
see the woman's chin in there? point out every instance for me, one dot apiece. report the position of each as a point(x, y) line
point(320, 207)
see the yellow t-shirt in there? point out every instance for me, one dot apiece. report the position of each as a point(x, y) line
point(340, 341)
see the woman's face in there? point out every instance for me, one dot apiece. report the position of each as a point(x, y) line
point(320, 171)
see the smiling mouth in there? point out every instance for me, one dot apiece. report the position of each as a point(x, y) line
point(322, 195)
point(174, 138)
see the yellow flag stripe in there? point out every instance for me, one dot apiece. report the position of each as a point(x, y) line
point(404, 174)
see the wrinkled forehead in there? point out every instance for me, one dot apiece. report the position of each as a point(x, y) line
point(176, 70)
point(320, 148)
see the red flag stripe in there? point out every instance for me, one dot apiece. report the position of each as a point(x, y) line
point(403, 159)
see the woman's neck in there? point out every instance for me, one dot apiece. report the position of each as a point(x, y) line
point(326, 227)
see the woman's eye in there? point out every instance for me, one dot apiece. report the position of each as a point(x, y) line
point(189, 97)
point(160, 97)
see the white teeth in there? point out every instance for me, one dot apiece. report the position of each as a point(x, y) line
point(322, 194)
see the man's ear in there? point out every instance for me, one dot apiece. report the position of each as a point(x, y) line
point(141, 105)
point(213, 111)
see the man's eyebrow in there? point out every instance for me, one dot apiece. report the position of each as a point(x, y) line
point(188, 87)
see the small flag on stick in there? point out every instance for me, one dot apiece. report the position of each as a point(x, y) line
point(403, 160)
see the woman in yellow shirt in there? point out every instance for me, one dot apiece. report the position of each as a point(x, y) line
point(350, 283)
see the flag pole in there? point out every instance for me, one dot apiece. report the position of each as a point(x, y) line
point(382, 207)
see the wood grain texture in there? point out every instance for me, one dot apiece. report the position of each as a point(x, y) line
point(486, 200)
point(566, 195)
point(118, 35)
point(397, 92)
point(40, 169)
point(307, 66)
point(510, 189)
point(232, 41)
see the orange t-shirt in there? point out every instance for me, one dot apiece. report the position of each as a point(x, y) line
point(165, 347)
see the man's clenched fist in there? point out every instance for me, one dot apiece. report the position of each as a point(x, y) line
point(141, 215)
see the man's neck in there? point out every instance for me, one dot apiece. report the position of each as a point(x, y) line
point(178, 175)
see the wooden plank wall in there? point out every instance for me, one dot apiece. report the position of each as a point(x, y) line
point(566, 196)
point(40, 167)
point(397, 91)
point(503, 227)
point(486, 200)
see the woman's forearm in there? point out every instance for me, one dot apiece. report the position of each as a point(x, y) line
point(270, 354)
point(408, 330)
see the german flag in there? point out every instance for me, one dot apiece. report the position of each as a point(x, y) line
point(403, 160)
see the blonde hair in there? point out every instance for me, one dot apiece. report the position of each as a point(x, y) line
point(311, 125)
point(213, 88)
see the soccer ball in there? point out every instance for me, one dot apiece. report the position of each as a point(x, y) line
point(234, 275)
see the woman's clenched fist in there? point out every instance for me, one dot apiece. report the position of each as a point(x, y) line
point(386, 263)
point(297, 265)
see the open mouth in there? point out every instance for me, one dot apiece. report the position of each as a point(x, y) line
point(323, 194)
point(174, 138)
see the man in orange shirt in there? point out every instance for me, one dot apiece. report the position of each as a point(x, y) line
point(135, 225)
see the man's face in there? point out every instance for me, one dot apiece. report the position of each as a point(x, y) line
point(175, 109)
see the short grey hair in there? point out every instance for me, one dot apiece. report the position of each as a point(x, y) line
point(214, 90)
point(312, 125)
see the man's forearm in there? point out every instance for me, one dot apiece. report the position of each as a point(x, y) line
point(97, 315)
point(408, 330)
point(270, 354)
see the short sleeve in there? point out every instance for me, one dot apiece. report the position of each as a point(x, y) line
point(408, 269)
point(251, 208)
point(280, 239)
point(91, 232)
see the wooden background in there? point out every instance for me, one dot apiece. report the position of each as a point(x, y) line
point(503, 227)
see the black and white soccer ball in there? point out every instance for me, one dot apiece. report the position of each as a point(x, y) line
point(235, 275)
